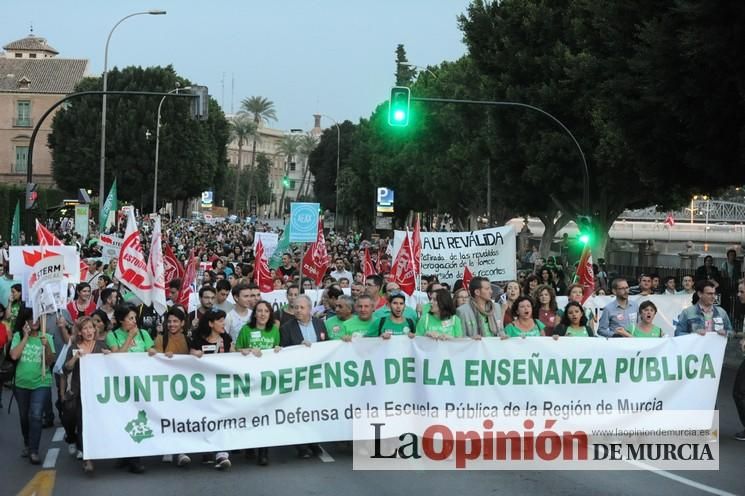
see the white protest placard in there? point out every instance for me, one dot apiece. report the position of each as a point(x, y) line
point(111, 246)
point(158, 405)
point(23, 258)
point(46, 285)
point(269, 240)
point(487, 253)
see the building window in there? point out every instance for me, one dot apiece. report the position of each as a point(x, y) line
point(23, 113)
point(21, 159)
point(292, 166)
point(18, 55)
point(32, 55)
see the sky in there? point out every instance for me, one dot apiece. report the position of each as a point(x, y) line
point(334, 57)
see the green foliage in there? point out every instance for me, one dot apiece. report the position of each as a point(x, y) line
point(192, 154)
point(322, 162)
point(10, 193)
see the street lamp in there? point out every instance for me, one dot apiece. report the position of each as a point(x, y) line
point(338, 153)
point(418, 67)
point(102, 171)
point(157, 144)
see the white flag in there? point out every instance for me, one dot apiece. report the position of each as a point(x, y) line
point(131, 268)
point(157, 270)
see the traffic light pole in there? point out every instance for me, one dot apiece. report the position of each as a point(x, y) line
point(586, 170)
point(30, 158)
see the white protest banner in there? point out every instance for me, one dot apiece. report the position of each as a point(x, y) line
point(111, 246)
point(668, 307)
point(156, 405)
point(23, 258)
point(269, 240)
point(487, 253)
point(46, 285)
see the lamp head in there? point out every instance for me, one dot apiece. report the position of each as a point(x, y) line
point(156, 12)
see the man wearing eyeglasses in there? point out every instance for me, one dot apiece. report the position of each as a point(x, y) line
point(704, 316)
point(620, 314)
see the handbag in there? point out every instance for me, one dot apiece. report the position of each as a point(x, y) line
point(7, 367)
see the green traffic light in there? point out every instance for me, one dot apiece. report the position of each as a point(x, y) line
point(398, 106)
point(584, 239)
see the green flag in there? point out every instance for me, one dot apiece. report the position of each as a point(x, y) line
point(283, 246)
point(15, 230)
point(109, 207)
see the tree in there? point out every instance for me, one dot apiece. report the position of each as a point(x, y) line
point(288, 146)
point(192, 153)
point(306, 144)
point(261, 111)
point(404, 72)
point(242, 128)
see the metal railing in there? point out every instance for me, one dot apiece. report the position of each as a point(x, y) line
point(710, 211)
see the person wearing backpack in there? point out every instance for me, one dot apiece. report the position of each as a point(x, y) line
point(173, 342)
point(395, 324)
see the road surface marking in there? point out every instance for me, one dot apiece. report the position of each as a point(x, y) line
point(41, 485)
point(51, 459)
point(683, 480)
point(59, 435)
point(324, 456)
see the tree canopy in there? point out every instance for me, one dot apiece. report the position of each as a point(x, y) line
point(192, 154)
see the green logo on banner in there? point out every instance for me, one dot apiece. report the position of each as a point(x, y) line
point(138, 429)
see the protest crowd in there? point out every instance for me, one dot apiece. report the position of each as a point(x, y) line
point(216, 276)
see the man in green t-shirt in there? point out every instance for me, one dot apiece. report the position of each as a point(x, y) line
point(395, 324)
point(385, 310)
point(360, 323)
point(335, 325)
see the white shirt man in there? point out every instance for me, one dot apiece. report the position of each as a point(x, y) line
point(246, 297)
point(341, 271)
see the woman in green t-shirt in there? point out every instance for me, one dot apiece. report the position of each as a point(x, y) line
point(574, 322)
point(129, 338)
point(523, 324)
point(260, 333)
point(33, 384)
point(440, 322)
point(645, 327)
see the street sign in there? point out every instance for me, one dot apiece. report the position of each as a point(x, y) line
point(385, 201)
point(303, 222)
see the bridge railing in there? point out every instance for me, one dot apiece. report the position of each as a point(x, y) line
point(711, 211)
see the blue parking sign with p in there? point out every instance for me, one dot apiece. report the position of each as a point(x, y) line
point(303, 222)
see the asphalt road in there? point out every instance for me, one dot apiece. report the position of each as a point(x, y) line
point(332, 472)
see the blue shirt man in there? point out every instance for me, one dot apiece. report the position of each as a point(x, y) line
point(619, 314)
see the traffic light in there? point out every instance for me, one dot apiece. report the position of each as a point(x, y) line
point(399, 105)
point(200, 103)
point(31, 196)
point(286, 182)
point(584, 225)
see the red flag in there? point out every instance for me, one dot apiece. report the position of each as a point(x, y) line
point(403, 268)
point(190, 277)
point(174, 269)
point(367, 265)
point(316, 259)
point(46, 238)
point(262, 275)
point(585, 274)
point(83, 270)
point(378, 268)
point(416, 247)
point(467, 276)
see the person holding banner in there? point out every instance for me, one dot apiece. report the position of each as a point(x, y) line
point(335, 325)
point(210, 338)
point(86, 343)
point(645, 328)
point(576, 292)
point(440, 322)
point(523, 324)
point(619, 313)
point(260, 333)
point(574, 322)
point(396, 323)
point(480, 317)
point(704, 316)
point(33, 382)
point(360, 323)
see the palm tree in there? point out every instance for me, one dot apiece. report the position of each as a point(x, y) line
point(288, 146)
point(261, 111)
point(307, 143)
point(242, 128)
